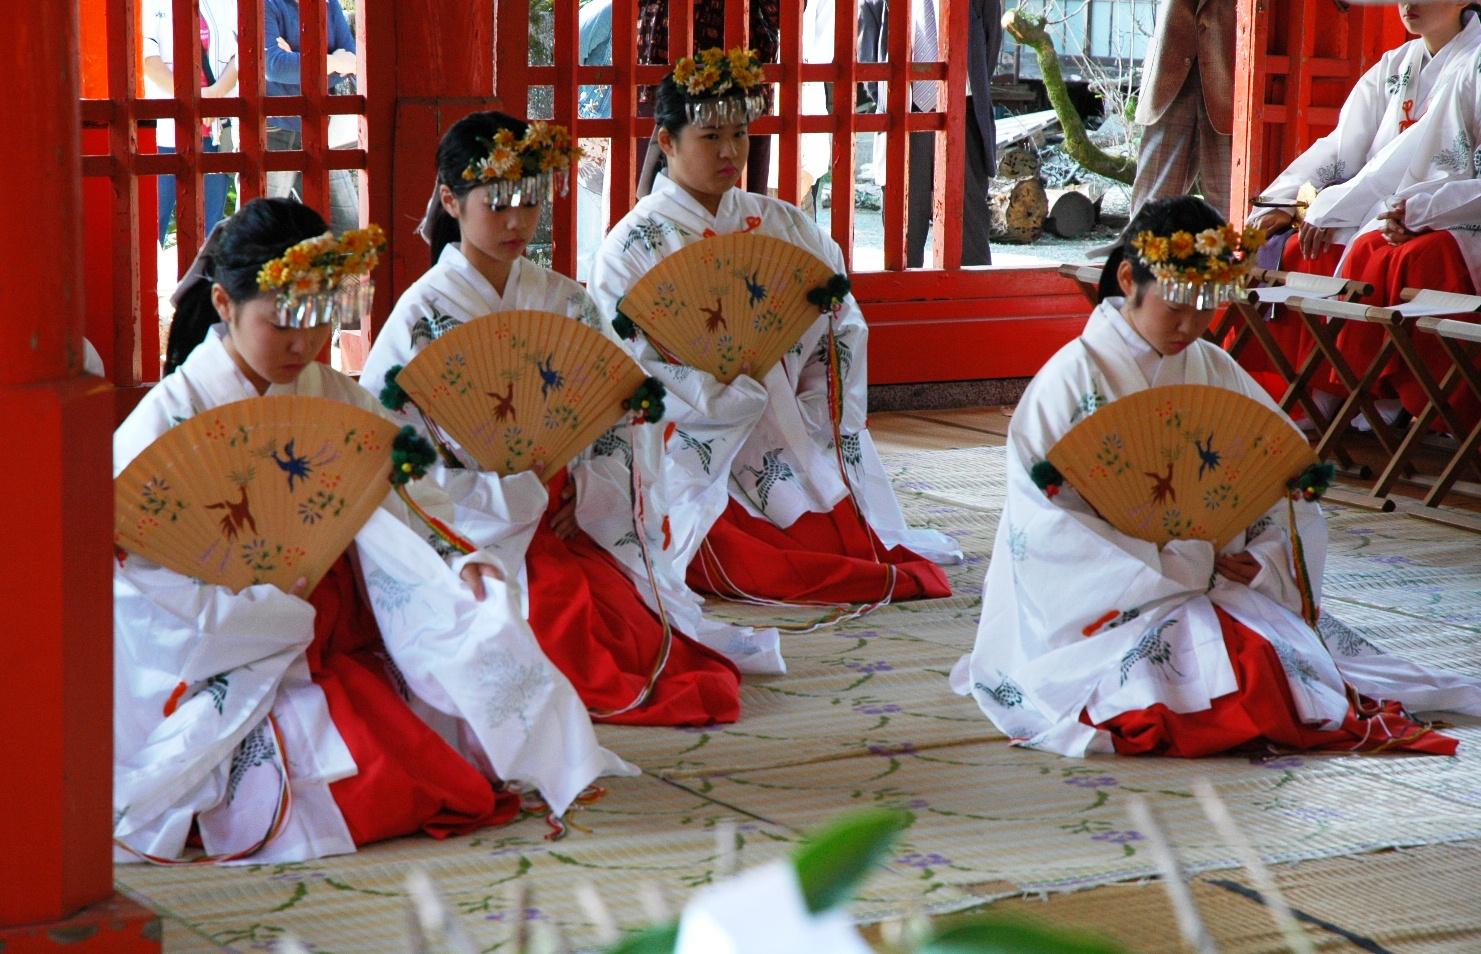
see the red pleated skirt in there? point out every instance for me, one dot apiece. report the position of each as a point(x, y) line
point(594, 626)
point(821, 558)
point(1286, 327)
point(1262, 712)
point(409, 778)
point(1431, 260)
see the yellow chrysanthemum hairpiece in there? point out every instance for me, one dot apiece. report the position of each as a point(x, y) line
point(1202, 269)
point(721, 87)
point(522, 171)
point(324, 279)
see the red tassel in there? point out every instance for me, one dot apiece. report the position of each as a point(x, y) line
point(668, 432)
point(668, 536)
point(172, 703)
point(1103, 620)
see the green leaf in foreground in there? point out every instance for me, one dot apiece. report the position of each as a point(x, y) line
point(993, 936)
point(833, 862)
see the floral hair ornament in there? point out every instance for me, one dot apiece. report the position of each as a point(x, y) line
point(721, 88)
point(1203, 269)
point(324, 279)
point(522, 171)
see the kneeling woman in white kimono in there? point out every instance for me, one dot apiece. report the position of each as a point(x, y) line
point(1175, 650)
point(763, 502)
point(282, 726)
point(586, 611)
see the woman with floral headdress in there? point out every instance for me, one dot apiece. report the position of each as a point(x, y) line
point(572, 533)
point(1179, 649)
point(763, 503)
point(393, 698)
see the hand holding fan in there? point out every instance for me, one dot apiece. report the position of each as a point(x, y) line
point(1184, 461)
point(731, 304)
point(265, 490)
point(517, 389)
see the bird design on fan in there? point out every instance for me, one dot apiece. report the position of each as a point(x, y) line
point(550, 378)
point(300, 467)
point(731, 304)
point(1133, 461)
point(238, 515)
point(504, 404)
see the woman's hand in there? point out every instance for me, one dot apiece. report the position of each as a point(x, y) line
point(1394, 230)
point(473, 574)
point(298, 587)
point(1238, 567)
point(1315, 240)
point(563, 523)
point(1271, 220)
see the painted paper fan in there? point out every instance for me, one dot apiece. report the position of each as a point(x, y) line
point(728, 302)
point(265, 490)
point(516, 388)
point(1185, 461)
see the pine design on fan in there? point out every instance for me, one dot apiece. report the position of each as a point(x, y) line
point(773, 471)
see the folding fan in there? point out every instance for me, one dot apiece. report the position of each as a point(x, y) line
point(265, 490)
point(728, 303)
point(1185, 461)
point(517, 388)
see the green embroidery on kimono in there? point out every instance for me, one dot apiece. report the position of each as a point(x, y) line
point(1334, 171)
point(1457, 158)
point(1088, 403)
point(216, 687)
point(650, 232)
point(1398, 82)
point(429, 328)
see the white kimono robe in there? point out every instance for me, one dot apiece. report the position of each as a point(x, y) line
point(473, 670)
point(768, 444)
point(501, 515)
point(1033, 672)
point(1433, 165)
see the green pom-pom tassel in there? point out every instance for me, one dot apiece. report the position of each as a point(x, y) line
point(623, 325)
point(647, 400)
point(1046, 477)
point(392, 394)
point(1314, 481)
point(411, 455)
point(835, 290)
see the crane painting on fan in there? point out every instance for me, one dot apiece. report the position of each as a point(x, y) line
point(504, 404)
point(756, 289)
point(237, 516)
point(715, 317)
point(550, 378)
point(1208, 458)
point(1162, 488)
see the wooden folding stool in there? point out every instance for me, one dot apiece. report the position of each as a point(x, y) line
point(1455, 338)
point(1313, 312)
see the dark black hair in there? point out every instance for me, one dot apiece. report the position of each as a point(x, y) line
point(1179, 213)
point(668, 106)
point(259, 232)
point(464, 142)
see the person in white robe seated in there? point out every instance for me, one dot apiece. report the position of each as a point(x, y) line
point(571, 533)
point(769, 498)
point(403, 694)
point(1369, 222)
point(1093, 640)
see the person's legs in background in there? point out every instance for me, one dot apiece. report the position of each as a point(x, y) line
point(284, 182)
point(166, 188)
point(1164, 164)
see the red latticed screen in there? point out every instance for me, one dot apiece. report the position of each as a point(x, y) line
point(121, 161)
point(1297, 63)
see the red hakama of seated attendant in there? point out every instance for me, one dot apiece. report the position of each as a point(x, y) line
point(409, 778)
point(597, 630)
point(1430, 260)
point(821, 558)
point(1287, 328)
point(1262, 712)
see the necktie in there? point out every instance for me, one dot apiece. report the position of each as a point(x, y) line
point(923, 50)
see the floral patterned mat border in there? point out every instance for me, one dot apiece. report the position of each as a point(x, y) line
point(864, 717)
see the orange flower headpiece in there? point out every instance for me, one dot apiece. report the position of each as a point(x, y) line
point(324, 279)
point(522, 171)
point(721, 87)
point(1203, 269)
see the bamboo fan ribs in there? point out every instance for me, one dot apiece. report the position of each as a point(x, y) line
point(517, 389)
point(1184, 461)
point(728, 305)
point(265, 490)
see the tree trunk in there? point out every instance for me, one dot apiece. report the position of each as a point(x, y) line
point(1071, 213)
point(1028, 29)
point(1016, 210)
